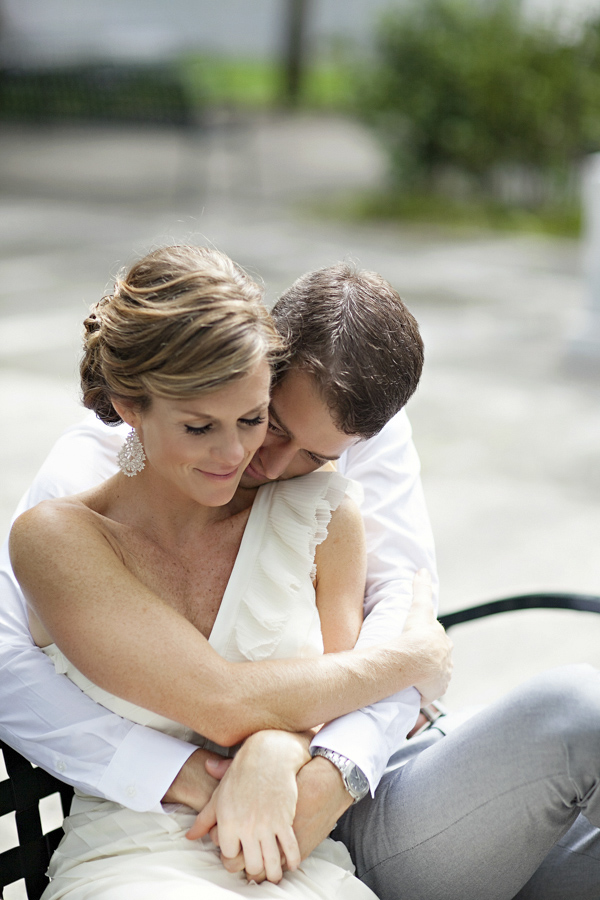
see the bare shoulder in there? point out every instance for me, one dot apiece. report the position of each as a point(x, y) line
point(51, 517)
point(341, 572)
point(62, 522)
point(345, 535)
point(346, 520)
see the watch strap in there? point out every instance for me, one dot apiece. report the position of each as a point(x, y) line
point(355, 781)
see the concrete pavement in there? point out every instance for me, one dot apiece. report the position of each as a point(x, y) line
point(509, 437)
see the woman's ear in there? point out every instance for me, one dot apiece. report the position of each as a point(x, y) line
point(128, 411)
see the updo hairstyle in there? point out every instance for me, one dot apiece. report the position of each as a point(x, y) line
point(184, 320)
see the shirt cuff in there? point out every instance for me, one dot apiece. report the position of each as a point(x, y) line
point(369, 736)
point(143, 768)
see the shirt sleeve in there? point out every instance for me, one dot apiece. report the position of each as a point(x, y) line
point(399, 543)
point(45, 716)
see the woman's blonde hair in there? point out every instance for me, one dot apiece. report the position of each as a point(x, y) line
point(182, 321)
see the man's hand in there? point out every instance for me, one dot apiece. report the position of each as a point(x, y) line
point(193, 785)
point(433, 643)
point(251, 813)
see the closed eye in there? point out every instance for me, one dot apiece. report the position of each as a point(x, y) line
point(272, 427)
point(315, 459)
point(257, 420)
point(203, 429)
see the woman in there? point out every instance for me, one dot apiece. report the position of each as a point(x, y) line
point(181, 352)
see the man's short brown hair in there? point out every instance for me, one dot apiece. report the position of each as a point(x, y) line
point(350, 330)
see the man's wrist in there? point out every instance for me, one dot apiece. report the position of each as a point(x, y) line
point(354, 779)
point(323, 782)
point(193, 786)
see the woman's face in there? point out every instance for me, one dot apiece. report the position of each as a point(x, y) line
point(200, 447)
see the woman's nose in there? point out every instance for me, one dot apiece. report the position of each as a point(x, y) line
point(229, 451)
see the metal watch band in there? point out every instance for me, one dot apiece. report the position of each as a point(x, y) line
point(355, 780)
point(432, 712)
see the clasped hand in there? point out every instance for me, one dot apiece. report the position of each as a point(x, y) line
point(268, 787)
point(251, 813)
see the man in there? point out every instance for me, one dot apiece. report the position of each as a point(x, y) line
point(472, 815)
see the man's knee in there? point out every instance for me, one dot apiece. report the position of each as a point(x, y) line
point(563, 701)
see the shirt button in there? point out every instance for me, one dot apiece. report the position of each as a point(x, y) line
point(60, 765)
point(131, 791)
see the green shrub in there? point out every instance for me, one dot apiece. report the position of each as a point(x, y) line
point(472, 87)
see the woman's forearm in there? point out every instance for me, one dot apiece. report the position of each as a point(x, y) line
point(150, 655)
point(180, 676)
point(164, 664)
point(125, 639)
point(298, 694)
point(295, 695)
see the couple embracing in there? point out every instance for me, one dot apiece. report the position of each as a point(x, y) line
point(192, 617)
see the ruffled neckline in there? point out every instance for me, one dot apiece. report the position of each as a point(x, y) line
point(287, 522)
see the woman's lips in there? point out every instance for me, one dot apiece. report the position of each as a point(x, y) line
point(215, 476)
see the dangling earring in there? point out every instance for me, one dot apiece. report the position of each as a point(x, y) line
point(131, 455)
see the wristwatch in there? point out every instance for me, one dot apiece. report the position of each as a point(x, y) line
point(355, 780)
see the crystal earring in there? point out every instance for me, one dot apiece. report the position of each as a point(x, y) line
point(131, 455)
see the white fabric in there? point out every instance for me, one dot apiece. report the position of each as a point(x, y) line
point(268, 611)
point(42, 713)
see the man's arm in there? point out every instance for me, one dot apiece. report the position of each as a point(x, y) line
point(126, 639)
point(45, 716)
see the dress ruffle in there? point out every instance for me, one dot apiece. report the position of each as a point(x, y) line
point(284, 570)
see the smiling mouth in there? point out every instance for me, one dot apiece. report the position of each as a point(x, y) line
point(218, 477)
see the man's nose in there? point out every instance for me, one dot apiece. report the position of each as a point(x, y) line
point(275, 457)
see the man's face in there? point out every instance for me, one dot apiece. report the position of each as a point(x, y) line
point(302, 435)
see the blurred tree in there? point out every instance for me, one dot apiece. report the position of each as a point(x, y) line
point(296, 19)
point(471, 85)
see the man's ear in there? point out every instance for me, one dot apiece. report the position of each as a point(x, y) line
point(127, 410)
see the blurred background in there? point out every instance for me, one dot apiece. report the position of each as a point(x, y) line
point(448, 144)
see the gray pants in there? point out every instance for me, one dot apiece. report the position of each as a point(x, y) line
point(506, 806)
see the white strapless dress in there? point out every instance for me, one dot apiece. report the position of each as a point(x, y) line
point(110, 852)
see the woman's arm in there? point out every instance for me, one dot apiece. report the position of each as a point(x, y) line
point(127, 640)
point(341, 562)
point(251, 814)
point(43, 715)
point(255, 804)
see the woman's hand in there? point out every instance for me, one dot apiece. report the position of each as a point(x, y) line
point(423, 628)
point(252, 810)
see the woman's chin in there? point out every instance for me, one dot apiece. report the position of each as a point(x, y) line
point(211, 491)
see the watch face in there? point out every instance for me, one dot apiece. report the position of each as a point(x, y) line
point(357, 781)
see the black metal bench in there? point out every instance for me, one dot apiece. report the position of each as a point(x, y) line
point(21, 794)
point(27, 785)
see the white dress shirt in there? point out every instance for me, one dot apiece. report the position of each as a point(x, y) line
point(51, 722)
